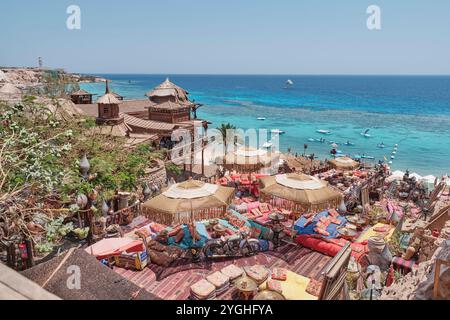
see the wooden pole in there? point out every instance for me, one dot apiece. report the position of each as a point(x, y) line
point(30, 253)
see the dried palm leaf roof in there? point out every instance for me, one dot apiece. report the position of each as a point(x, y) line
point(108, 98)
point(168, 88)
point(81, 92)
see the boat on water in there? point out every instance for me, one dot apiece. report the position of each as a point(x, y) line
point(261, 118)
point(267, 145)
point(289, 84)
point(366, 133)
point(277, 131)
point(381, 145)
point(348, 143)
point(364, 157)
point(321, 131)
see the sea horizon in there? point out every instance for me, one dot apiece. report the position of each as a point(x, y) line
point(393, 107)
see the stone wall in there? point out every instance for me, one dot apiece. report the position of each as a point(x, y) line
point(156, 174)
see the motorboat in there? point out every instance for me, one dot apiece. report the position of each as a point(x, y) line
point(381, 145)
point(277, 131)
point(267, 145)
point(261, 118)
point(348, 143)
point(289, 84)
point(364, 157)
point(366, 133)
point(321, 131)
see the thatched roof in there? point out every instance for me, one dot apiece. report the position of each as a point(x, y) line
point(344, 163)
point(98, 282)
point(108, 98)
point(167, 89)
point(10, 89)
point(169, 105)
point(81, 92)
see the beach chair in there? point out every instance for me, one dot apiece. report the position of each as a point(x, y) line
point(334, 286)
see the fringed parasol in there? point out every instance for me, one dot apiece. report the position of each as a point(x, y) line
point(189, 201)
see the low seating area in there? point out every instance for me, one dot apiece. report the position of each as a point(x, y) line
point(256, 279)
point(216, 283)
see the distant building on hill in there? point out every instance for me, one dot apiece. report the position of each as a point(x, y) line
point(81, 97)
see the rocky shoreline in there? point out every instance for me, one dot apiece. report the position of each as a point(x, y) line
point(26, 77)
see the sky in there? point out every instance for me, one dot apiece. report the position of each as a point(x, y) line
point(228, 36)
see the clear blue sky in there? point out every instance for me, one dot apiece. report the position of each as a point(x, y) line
point(229, 36)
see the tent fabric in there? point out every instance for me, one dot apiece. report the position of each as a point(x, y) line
point(302, 182)
point(250, 160)
point(114, 246)
point(396, 175)
point(190, 190)
point(344, 163)
point(300, 199)
point(187, 208)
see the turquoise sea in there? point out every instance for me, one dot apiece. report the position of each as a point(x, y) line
point(411, 111)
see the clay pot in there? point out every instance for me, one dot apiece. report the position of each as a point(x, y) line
point(93, 195)
point(82, 201)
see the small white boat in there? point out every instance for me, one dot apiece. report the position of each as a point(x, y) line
point(321, 131)
point(267, 145)
point(261, 118)
point(394, 152)
point(366, 133)
point(392, 157)
point(277, 131)
point(381, 146)
point(289, 84)
point(390, 162)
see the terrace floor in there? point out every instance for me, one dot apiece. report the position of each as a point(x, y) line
point(174, 282)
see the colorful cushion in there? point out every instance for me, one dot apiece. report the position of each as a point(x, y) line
point(279, 274)
point(274, 285)
point(314, 287)
point(232, 271)
point(218, 279)
point(258, 273)
point(203, 290)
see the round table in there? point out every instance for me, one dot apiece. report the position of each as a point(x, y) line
point(269, 295)
point(246, 287)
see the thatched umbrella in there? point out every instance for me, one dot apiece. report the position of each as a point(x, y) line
point(250, 159)
point(344, 163)
point(299, 192)
point(189, 201)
